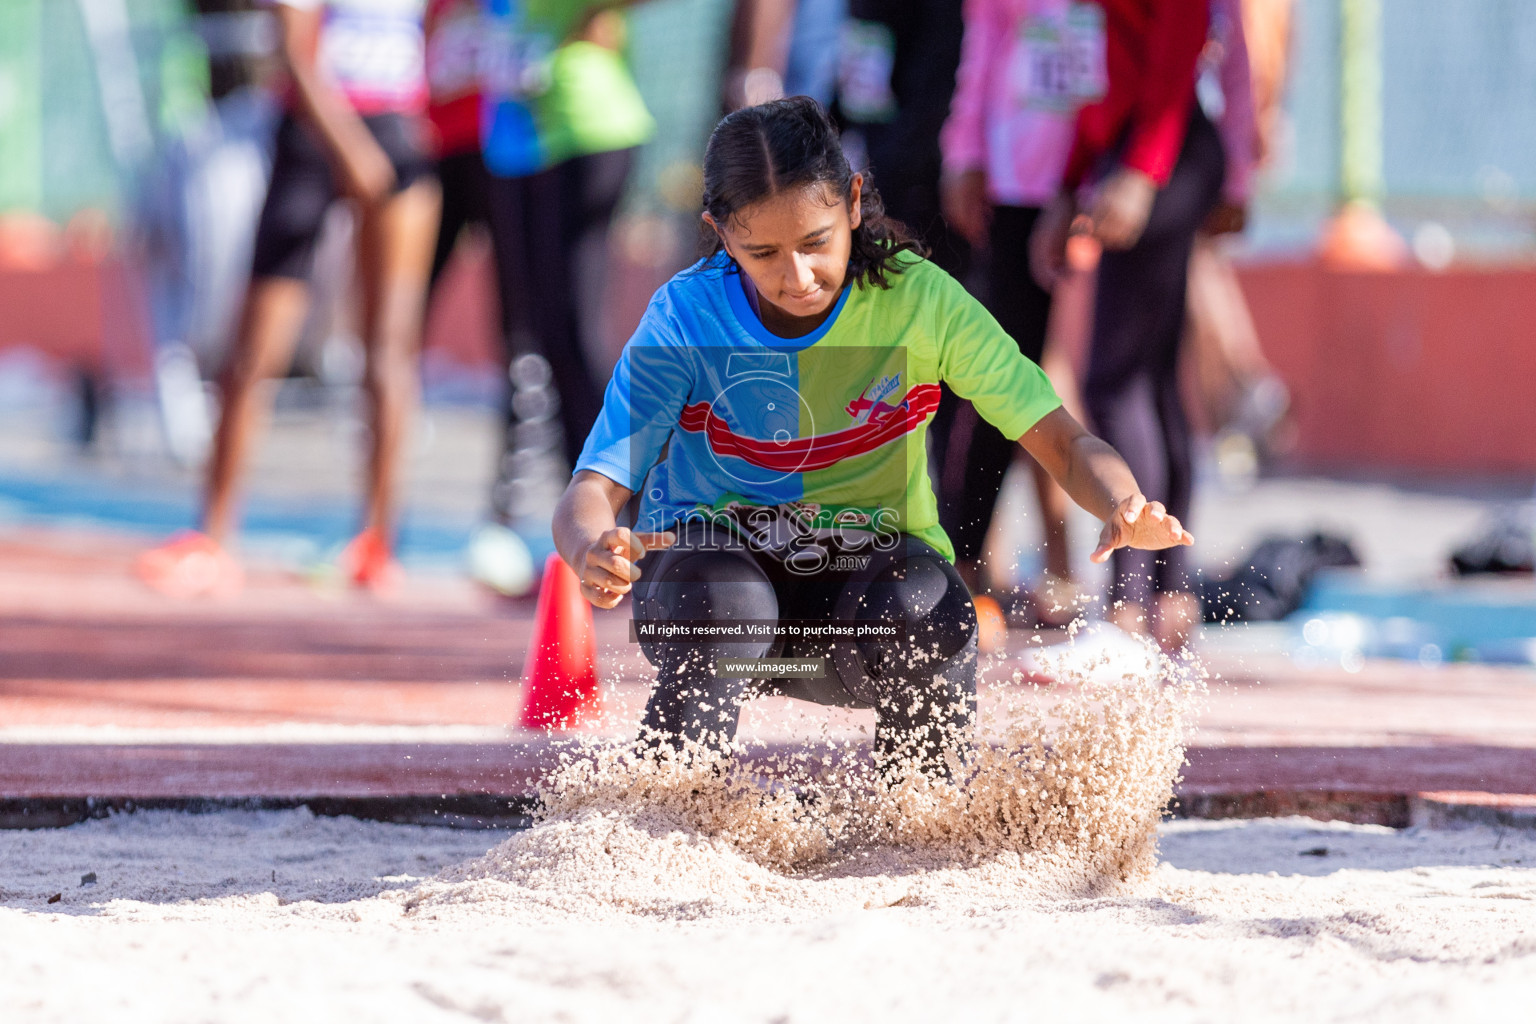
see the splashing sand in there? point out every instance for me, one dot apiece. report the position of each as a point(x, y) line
point(1064, 804)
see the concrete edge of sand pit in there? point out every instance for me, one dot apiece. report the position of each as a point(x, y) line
point(1434, 810)
point(1453, 809)
point(1361, 807)
point(453, 810)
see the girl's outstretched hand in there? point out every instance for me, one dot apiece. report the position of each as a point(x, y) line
point(1139, 523)
point(607, 568)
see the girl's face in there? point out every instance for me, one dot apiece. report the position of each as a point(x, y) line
point(794, 247)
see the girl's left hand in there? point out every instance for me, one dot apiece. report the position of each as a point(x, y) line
point(1139, 523)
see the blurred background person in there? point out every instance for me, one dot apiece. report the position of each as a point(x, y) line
point(457, 49)
point(1005, 145)
point(197, 214)
point(1154, 164)
point(352, 129)
point(895, 79)
point(454, 33)
point(782, 48)
point(562, 121)
point(885, 69)
point(1238, 397)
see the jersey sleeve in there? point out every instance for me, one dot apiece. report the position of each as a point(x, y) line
point(645, 396)
point(981, 363)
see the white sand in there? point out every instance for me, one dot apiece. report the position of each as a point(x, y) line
point(701, 890)
point(186, 923)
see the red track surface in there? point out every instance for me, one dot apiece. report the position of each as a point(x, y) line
point(85, 648)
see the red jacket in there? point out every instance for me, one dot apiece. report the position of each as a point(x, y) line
point(1151, 49)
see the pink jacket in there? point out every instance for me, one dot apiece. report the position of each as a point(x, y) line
point(1002, 122)
point(997, 121)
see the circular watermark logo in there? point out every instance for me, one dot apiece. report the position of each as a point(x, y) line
point(767, 450)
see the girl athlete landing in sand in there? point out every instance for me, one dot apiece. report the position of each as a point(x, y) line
point(771, 411)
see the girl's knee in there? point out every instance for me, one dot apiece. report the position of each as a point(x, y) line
point(926, 594)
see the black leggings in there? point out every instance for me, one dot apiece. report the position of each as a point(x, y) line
point(538, 225)
point(972, 454)
point(466, 202)
point(1132, 385)
point(922, 685)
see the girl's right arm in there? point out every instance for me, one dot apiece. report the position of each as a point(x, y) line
point(587, 535)
point(645, 396)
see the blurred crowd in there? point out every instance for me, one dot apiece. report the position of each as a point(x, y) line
point(1079, 166)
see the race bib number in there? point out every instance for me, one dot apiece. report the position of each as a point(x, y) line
point(375, 54)
point(1058, 63)
point(866, 57)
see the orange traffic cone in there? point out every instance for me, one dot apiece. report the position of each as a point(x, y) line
point(560, 675)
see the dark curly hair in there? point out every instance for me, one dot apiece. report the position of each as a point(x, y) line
point(760, 151)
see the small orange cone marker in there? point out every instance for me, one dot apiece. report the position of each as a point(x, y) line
point(560, 675)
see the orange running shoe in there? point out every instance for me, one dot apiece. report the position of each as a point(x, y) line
point(191, 564)
point(368, 563)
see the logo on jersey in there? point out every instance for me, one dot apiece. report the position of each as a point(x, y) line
point(876, 422)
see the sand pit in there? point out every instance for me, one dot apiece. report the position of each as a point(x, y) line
point(690, 891)
point(283, 916)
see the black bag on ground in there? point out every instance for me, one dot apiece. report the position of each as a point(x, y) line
point(1507, 547)
point(1274, 580)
